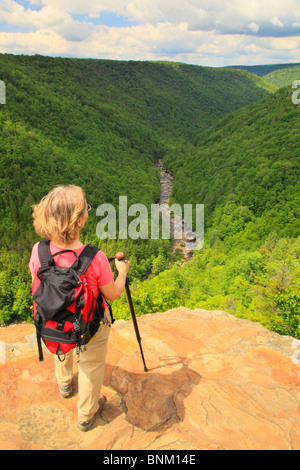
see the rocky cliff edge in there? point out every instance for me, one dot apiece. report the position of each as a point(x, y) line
point(214, 382)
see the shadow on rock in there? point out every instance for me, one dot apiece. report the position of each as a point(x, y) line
point(151, 399)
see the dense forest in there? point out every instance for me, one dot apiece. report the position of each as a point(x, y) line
point(246, 170)
point(102, 124)
point(283, 77)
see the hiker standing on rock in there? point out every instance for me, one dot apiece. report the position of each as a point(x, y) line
point(58, 218)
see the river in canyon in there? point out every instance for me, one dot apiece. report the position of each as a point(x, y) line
point(184, 238)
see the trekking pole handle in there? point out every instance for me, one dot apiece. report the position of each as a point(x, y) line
point(119, 256)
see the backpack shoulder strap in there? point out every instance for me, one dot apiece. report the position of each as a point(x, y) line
point(45, 256)
point(86, 257)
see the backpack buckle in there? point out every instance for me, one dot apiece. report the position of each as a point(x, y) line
point(77, 327)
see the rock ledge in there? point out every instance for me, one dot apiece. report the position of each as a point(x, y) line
point(214, 382)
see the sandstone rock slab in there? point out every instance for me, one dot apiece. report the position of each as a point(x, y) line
point(214, 382)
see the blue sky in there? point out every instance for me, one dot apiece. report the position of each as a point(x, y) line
point(107, 18)
point(213, 33)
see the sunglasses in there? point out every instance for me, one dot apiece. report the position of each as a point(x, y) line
point(88, 207)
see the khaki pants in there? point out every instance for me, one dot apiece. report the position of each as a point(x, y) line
point(90, 372)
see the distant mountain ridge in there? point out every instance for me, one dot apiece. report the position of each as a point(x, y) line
point(262, 70)
point(283, 77)
point(175, 97)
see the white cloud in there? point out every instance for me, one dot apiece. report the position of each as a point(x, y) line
point(14, 13)
point(86, 7)
point(222, 15)
point(47, 41)
point(218, 32)
point(48, 17)
point(277, 22)
point(253, 27)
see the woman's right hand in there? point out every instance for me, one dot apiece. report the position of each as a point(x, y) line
point(122, 266)
point(114, 289)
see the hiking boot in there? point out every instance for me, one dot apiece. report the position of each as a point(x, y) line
point(86, 425)
point(66, 391)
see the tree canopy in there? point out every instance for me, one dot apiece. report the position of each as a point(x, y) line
point(102, 124)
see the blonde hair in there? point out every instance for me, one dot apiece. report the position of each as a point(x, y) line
point(56, 215)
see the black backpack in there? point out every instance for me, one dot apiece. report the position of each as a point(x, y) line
point(66, 313)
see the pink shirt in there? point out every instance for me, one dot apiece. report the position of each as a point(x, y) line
point(98, 274)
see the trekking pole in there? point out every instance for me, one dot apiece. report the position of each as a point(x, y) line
point(119, 256)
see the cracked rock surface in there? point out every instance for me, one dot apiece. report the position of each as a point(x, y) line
point(214, 382)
